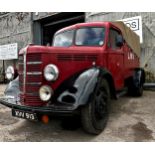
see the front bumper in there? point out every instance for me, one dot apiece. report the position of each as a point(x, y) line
point(48, 110)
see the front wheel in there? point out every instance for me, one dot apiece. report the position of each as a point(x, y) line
point(95, 114)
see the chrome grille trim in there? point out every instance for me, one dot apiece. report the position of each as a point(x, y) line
point(34, 63)
point(33, 94)
point(33, 83)
point(20, 63)
point(34, 73)
point(29, 93)
point(24, 71)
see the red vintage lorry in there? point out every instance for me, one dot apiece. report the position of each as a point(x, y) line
point(87, 65)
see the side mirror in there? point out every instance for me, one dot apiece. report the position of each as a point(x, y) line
point(119, 41)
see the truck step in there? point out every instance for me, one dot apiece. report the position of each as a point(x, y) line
point(122, 93)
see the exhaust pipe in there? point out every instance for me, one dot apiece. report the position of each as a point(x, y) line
point(149, 86)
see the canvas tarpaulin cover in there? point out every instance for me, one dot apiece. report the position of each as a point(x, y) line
point(130, 37)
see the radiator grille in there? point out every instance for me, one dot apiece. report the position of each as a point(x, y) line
point(33, 82)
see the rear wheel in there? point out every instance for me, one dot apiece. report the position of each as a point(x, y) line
point(95, 114)
point(139, 90)
point(135, 90)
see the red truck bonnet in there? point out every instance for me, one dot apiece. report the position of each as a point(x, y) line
point(69, 61)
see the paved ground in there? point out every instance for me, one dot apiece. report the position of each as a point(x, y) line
point(131, 119)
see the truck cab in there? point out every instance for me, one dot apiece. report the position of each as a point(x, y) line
point(87, 65)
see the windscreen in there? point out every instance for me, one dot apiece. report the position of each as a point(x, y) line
point(64, 39)
point(86, 36)
point(90, 36)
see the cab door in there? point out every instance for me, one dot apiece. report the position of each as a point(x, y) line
point(116, 58)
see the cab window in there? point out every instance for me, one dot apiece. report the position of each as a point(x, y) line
point(113, 35)
point(90, 36)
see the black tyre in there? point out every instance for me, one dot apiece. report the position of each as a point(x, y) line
point(138, 91)
point(135, 90)
point(95, 114)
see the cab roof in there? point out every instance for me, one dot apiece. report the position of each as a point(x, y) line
point(130, 36)
point(75, 26)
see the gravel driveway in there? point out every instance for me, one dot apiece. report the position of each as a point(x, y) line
point(131, 119)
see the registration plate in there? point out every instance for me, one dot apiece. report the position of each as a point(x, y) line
point(24, 114)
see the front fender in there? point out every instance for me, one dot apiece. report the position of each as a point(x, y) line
point(72, 93)
point(81, 89)
point(12, 88)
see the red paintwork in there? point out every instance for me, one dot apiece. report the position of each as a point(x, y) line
point(116, 61)
point(67, 68)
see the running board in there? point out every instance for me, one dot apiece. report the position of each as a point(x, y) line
point(122, 93)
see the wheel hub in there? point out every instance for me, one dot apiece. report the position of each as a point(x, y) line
point(100, 106)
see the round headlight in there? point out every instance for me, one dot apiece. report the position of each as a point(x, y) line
point(51, 72)
point(45, 93)
point(10, 73)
